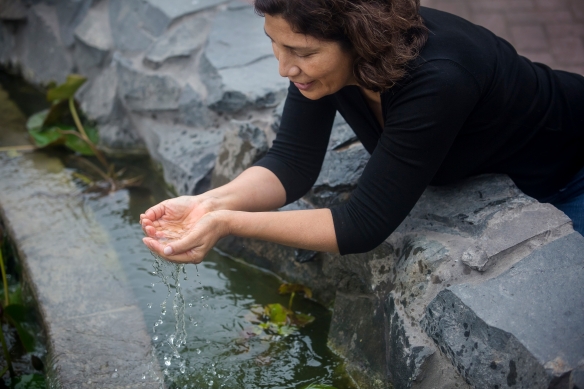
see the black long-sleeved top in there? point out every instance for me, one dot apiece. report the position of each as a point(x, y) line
point(469, 105)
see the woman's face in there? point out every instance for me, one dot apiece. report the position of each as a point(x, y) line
point(317, 68)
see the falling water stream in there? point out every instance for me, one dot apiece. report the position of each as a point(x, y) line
point(198, 316)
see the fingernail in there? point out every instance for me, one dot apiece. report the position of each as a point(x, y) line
point(167, 250)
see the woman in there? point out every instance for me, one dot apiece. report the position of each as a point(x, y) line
point(432, 97)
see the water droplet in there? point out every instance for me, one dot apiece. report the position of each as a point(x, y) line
point(167, 363)
point(190, 305)
point(115, 375)
point(153, 284)
point(149, 305)
point(143, 376)
point(211, 383)
point(198, 351)
point(155, 338)
point(202, 297)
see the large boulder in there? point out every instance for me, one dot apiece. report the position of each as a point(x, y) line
point(100, 102)
point(136, 23)
point(69, 14)
point(187, 155)
point(43, 56)
point(238, 67)
point(143, 91)
point(180, 42)
point(239, 150)
point(93, 40)
point(522, 329)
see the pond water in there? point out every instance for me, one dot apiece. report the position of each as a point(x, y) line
point(198, 316)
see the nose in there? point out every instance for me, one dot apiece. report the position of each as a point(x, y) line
point(286, 65)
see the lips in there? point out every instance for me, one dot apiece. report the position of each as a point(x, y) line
point(304, 86)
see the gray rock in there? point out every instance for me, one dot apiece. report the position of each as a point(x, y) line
point(100, 102)
point(240, 149)
point(342, 134)
point(257, 85)
point(90, 316)
point(44, 57)
point(359, 338)
point(277, 115)
point(93, 40)
point(13, 10)
point(175, 9)
point(135, 24)
point(6, 44)
point(192, 110)
point(187, 155)
point(338, 177)
point(142, 91)
point(70, 13)
point(237, 39)
point(239, 68)
point(182, 41)
point(519, 329)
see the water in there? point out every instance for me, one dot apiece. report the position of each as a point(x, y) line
point(196, 315)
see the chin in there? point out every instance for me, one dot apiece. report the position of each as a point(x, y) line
point(315, 94)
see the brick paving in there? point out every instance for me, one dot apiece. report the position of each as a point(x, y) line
point(547, 31)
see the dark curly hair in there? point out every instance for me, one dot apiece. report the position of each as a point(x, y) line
point(385, 35)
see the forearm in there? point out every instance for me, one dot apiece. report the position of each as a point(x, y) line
point(308, 229)
point(257, 189)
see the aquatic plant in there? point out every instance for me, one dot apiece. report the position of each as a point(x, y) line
point(64, 124)
point(15, 314)
point(277, 320)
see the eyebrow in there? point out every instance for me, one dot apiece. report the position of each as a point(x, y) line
point(289, 47)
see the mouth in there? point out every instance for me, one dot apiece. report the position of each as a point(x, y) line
point(303, 86)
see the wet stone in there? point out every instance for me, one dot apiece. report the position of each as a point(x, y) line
point(90, 315)
point(174, 9)
point(519, 324)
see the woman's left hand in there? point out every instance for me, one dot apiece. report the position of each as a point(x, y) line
point(196, 241)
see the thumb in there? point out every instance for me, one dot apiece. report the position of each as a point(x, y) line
point(180, 246)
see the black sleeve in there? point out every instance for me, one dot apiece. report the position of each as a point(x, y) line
point(422, 119)
point(300, 145)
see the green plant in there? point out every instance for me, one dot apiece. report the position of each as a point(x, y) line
point(276, 319)
point(15, 314)
point(64, 124)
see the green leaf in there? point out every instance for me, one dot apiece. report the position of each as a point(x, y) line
point(287, 330)
point(319, 386)
point(16, 315)
point(78, 144)
point(277, 313)
point(29, 381)
point(300, 319)
point(67, 89)
point(59, 115)
point(35, 122)
point(295, 288)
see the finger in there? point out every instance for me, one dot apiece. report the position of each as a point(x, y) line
point(156, 212)
point(150, 231)
point(195, 255)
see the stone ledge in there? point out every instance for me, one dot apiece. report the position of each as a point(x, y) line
point(92, 321)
